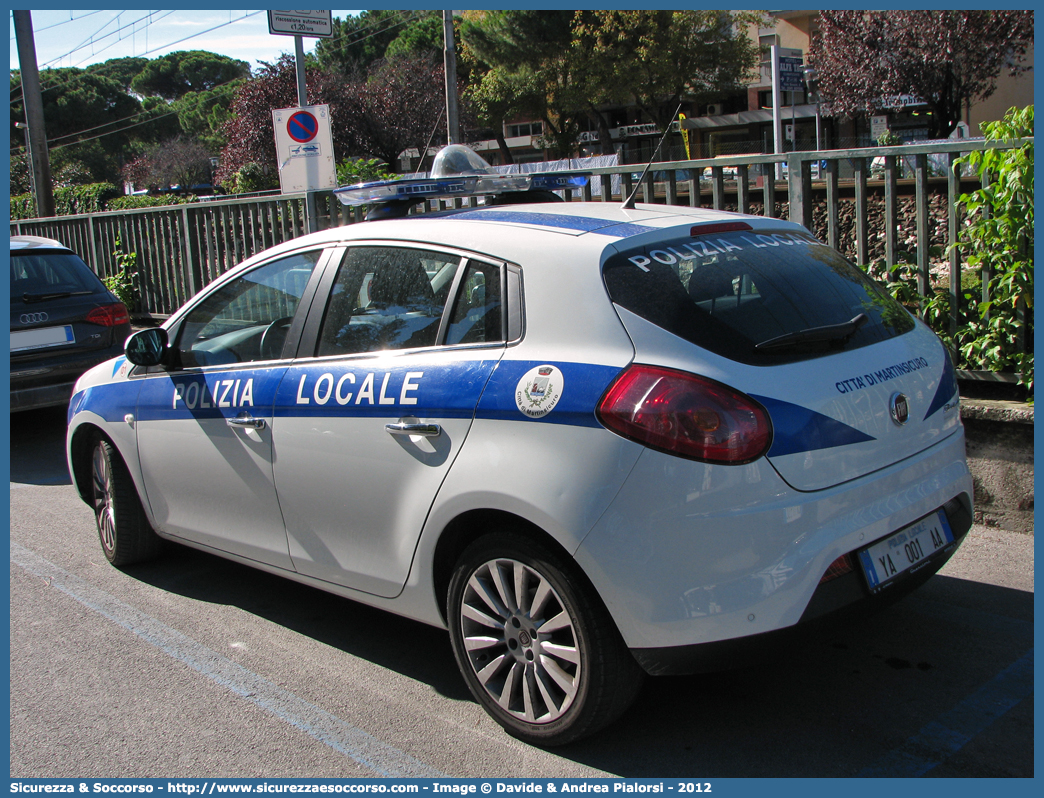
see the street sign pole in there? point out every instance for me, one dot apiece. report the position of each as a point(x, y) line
point(787, 75)
point(300, 24)
point(777, 102)
point(311, 205)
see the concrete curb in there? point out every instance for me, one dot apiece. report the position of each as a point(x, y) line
point(996, 410)
point(999, 437)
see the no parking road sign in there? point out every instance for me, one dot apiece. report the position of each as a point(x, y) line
point(302, 126)
point(304, 147)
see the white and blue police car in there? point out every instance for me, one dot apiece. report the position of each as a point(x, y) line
point(592, 441)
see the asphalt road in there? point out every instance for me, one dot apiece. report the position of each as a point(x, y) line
point(195, 667)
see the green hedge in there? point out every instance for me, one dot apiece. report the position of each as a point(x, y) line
point(129, 202)
point(68, 201)
point(92, 198)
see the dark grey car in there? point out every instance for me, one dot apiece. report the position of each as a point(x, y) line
point(63, 322)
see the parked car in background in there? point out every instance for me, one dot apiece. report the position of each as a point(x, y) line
point(63, 321)
point(591, 441)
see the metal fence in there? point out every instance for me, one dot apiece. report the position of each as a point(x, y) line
point(181, 248)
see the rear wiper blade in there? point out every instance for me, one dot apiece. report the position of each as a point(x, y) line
point(27, 297)
point(830, 333)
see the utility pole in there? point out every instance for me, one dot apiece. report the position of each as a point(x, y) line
point(450, 61)
point(36, 138)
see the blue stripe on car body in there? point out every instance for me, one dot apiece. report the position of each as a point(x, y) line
point(797, 429)
point(326, 391)
point(584, 224)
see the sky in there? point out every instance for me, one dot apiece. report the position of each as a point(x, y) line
point(83, 37)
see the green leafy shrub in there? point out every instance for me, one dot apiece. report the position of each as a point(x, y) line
point(122, 282)
point(361, 170)
point(251, 178)
point(999, 238)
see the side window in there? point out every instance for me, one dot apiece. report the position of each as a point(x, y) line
point(247, 319)
point(386, 298)
point(477, 316)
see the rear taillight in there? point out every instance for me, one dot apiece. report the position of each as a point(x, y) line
point(686, 415)
point(109, 315)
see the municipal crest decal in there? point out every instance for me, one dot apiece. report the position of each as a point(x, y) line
point(539, 390)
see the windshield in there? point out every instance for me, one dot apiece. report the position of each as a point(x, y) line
point(729, 292)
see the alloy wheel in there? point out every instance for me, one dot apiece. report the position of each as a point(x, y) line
point(104, 512)
point(521, 640)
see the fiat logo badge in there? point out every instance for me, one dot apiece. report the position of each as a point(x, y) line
point(899, 408)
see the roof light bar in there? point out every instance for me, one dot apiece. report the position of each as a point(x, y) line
point(476, 178)
point(461, 186)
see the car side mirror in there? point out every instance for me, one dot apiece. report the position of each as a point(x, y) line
point(147, 347)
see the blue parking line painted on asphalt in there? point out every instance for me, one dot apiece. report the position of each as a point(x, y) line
point(365, 749)
point(950, 732)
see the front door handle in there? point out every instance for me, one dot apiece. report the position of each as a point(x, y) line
point(244, 420)
point(423, 429)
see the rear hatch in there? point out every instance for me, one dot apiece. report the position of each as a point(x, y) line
point(55, 302)
point(851, 381)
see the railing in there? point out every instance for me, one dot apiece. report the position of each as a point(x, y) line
point(182, 248)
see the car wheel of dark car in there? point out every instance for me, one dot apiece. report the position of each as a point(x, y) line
point(536, 647)
point(126, 537)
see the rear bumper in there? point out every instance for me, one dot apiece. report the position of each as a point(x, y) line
point(731, 552)
point(41, 396)
point(840, 600)
point(49, 381)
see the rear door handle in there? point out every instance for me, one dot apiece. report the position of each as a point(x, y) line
point(243, 420)
point(424, 430)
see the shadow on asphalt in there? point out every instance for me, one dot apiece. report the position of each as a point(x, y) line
point(841, 703)
point(831, 708)
point(38, 447)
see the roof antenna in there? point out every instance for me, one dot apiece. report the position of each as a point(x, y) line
point(629, 202)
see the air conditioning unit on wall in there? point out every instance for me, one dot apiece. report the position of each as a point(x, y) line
point(714, 109)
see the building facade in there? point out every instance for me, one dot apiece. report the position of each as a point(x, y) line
point(743, 121)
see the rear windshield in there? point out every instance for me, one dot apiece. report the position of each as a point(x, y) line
point(39, 274)
point(730, 292)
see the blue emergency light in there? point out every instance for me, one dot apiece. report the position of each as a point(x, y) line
point(458, 171)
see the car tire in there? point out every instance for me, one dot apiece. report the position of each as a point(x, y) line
point(536, 646)
point(124, 531)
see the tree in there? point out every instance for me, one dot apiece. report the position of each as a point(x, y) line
point(945, 58)
point(394, 108)
point(496, 94)
point(122, 70)
point(181, 162)
point(91, 119)
point(176, 74)
point(202, 115)
point(656, 59)
point(421, 37)
point(570, 66)
point(522, 66)
point(359, 42)
point(404, 100)
point(248, 131)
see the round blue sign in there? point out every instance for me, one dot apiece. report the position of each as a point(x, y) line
point(302, 126)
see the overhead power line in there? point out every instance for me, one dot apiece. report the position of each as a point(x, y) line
point(60, 141)
point(64, 22)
